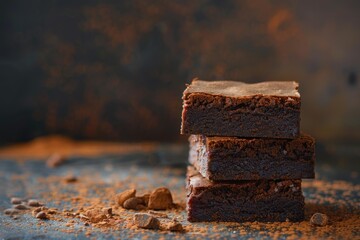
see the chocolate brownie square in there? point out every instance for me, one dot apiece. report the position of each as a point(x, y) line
point(230, 108)
point(233, 158)
point(242, 201)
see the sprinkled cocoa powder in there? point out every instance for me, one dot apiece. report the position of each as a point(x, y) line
point(344, 221)
point(83, 207)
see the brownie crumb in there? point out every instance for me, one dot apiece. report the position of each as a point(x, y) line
point(145, 197)
point(20, 207)
point(16, 200)
point(160, 199)
point(41, 215)
point(55, 160)
point(143, 220)
point(95, 216)
point(11, 211)
point(134, 203)
point(52, 211)
point(107, 210)
point(34, 203)
point(71, 179)
point(319, 219)
point(174, 226)
point(122, 197)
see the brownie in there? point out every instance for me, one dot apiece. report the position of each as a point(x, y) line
point(242, 201)
point(233, 158)
point(230, 108)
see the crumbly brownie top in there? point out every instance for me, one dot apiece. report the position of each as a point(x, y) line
point(240, 89)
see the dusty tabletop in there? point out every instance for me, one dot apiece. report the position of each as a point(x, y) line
point(60, 189)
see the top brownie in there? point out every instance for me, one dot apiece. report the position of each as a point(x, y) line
point(230, 108)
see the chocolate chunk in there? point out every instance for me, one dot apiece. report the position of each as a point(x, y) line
point(95, 216)
point(145, 198)
point(55, 160)
point(52, 211)
point(16, 200)
point(134, 203)
point(107, 210)
point(143, 220)
point(11, 211)
point(160, 199)
point(71, 179)
point(41, 215)
point(21, 207)
point(319, 219)
point(36, 211)
point(123, 196)
point(174, 226)
point(34, 203)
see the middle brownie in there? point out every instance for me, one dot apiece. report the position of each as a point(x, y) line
point(232, 158)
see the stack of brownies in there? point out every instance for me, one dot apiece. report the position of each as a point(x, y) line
point(247, 154)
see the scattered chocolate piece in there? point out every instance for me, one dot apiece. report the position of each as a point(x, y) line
point(174, 226)
point(39, 209)
point(71, 179)
point(41, 215)
point(108, 211)
point(122, 197)
point(11, 211)
point(143, 220)
point(52, 211)
point(36, 211)
point(16, 200)
point(319, 219)
point(21, 207)
point(158, 214)
point(145, 198)
point(160, 199)
point(34, 203)
point(55, 160)
point(86, 224)
point(95, 216)
point(134, 203)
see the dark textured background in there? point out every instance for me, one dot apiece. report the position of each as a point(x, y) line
point(116, 70)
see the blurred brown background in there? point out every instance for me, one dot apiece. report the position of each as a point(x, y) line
point(115, 70)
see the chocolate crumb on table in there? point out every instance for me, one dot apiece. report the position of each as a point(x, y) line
point(125, 195)
point(135, 203)
point(160, 199)
point(143, 220)
point(319, 219)
point(233, 158)
point(41, 215)
point(16, 200)
point(230, 108)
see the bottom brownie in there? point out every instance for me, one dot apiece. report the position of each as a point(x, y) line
point(242, 201)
